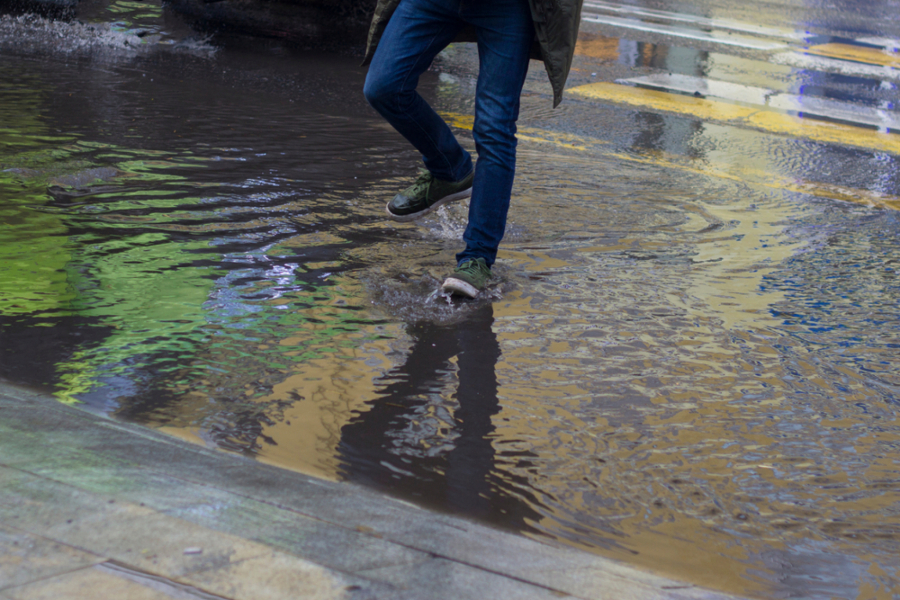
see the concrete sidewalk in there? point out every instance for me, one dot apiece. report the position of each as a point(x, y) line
point(94, 508)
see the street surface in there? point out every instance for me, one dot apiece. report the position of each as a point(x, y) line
point(687, 360)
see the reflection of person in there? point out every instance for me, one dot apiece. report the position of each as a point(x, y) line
point(404, 38)
point(398, 444)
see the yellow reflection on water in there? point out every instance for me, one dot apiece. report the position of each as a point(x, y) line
point(331, 391)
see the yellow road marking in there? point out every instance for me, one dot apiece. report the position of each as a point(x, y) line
point(755, 117)
point(872, 56)
point(769, 180)
point(703, 108)
point(765, 179)
point(531, 134)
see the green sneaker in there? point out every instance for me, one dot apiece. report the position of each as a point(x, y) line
point(427, 194)
point(468, 278)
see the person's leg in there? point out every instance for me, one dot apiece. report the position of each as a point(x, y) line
point(505, 34)
point(416, 32)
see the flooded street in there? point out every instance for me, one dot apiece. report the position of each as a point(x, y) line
point(687, 359)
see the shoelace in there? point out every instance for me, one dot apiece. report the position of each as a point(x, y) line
point(422, 182)
point(471, 267)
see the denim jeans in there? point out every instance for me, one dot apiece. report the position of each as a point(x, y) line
point(416, 32)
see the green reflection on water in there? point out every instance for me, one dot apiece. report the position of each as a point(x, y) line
point(112, 238)
point(138, 286)
point(32, 259)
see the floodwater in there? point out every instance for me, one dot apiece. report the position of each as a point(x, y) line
point(679, 365)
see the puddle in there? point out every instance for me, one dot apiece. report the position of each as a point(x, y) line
point(677, 365)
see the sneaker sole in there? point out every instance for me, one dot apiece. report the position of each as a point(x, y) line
point(418, 215)
point(458, 286)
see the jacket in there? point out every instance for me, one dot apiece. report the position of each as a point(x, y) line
point(555, 26)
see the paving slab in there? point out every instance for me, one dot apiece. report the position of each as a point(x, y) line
point(441, 579)
point(25, 557)
point(273, 576)
point(304, 536)
point(83, 585)
point(122, 511)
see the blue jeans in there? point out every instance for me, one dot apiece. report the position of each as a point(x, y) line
point(416, 32)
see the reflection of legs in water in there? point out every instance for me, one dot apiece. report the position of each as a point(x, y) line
point(380, 447)
point(472, 458)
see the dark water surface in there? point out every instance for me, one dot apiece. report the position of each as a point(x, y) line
point(694, 373)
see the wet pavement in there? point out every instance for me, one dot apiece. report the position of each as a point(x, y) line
point(687, 360)
point(129, 513)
